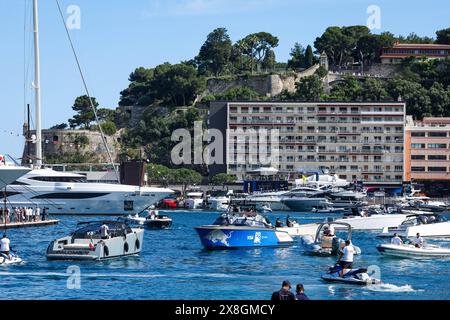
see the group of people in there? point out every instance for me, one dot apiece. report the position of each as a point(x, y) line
point(417, 241)
point(285, 292)
point(23, 214)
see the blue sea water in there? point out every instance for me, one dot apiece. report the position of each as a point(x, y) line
point(173, 265)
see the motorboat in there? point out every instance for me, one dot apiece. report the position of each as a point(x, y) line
point(427, 225)
point(365, 220)
point(304, 202)
point(242, 229)
point(10, 173)
point(13, 258)
point(194, 200)
point(70, 193)
point(295, 229)
point(410, 251)
point(358, 276)
point(219, 200)
point(343, 199)
point(328, 210)
point(326, 242)
point(270, 199)
point(86, 243)
point(150, 219)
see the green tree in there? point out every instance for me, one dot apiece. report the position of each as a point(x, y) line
point(309, 57)
point(414, 38)
point(109, 128)
point(443, 36)
point(256, 47)
point(348, 90)
point(223, 179)
point(185, 177)
point(373, 90)
point(85, 114)
point(239, 93)
point(415, 96)
point(215, 54)
point(309, 88)
point(269, 61)
point(297, 60)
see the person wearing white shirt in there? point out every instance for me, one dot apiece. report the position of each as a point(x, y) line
point(418, 241)
point(5, 246)
point(104, 230)
point(37, 214)
point(346, 257)
point(396, 240)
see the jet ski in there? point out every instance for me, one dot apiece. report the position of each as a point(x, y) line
point(13, 259)
point(354, 276)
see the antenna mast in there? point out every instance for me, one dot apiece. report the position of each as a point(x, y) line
point(37, 85)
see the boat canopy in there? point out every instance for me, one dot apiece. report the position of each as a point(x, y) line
point(243, 219)
point(92, 230)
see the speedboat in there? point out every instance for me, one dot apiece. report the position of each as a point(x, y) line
point(325, 242)
point(428, 225)
point(367, 221)
point(295, 229)
point(353, 276)
point(12, 259)
point(410, 251)
point(219, 200)
point(150, 219)
point(86, 242)
point(246, 229)
point(271, 199)
point(70, 193)
point(304, 203)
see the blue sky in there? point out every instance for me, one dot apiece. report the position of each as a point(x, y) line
point(117, 36)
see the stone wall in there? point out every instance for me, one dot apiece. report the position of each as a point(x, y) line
point(266, 85)
point(67, 142)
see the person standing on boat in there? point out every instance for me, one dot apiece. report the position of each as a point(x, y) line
point(346, 258)
point(37, 214)
point(284, 293)
point(104, 231)
point(300, 290)
point(278, 223)
point(5, 246)
point(418, 241)
point(396, 240)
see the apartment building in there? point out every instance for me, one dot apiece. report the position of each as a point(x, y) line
point(399, 51)
point(360, 141)
point(427, 155)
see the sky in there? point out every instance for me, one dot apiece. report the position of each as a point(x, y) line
point(116, 36)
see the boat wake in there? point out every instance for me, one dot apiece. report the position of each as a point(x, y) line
point(387, 287)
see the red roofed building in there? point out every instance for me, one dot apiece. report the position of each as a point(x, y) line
point(404, 50)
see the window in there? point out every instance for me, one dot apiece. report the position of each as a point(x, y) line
point(418, 169)
point(437, 146)
point(418, 145)
point(437, 169)
point(437, 134)
point(437, 157)
point(417, 157)
point(417, 134)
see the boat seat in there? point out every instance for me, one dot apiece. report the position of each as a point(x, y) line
point(327, 242)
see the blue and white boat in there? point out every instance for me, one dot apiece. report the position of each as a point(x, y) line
point(248, 229)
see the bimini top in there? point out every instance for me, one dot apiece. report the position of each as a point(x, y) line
point(92, 230)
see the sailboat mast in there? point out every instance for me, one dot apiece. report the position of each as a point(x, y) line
point(37, 85)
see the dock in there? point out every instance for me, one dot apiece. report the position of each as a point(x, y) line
point(17, 225)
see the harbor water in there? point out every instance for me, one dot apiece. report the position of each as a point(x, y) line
point(173, 265)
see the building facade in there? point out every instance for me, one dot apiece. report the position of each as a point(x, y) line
point(399, 51)
point(359, 141)
point(427, 155)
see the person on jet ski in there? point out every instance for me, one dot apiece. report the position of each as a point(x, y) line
point(346, 258)
point(418, 241)
point(5, 247)
point(397, 240)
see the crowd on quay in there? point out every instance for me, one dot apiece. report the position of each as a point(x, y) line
point(23, 214)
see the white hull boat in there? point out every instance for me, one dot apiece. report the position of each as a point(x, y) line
point(298, 230)
point(430, 225)
point(410, 251)
point(9, 174)
point(374, 222)
point(86, 243)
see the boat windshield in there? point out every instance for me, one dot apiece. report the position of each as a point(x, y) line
point(93, 230)
point(251, 220)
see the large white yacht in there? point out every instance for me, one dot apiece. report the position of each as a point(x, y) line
point(9, 174)
point(69, 193)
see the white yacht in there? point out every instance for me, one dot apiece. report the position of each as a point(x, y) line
point(69, 193)
point(194, 200)
point(10, 173)
point(428, 225)
point(219, 200)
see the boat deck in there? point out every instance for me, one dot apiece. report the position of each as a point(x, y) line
point(18, 225)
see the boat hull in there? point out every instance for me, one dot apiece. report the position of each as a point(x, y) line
point(306, 204)
point(409, 251)
point(375, 222)
point(223, 237)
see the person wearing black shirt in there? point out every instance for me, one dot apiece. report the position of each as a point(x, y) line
point(284, 293)
point(300, 293)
